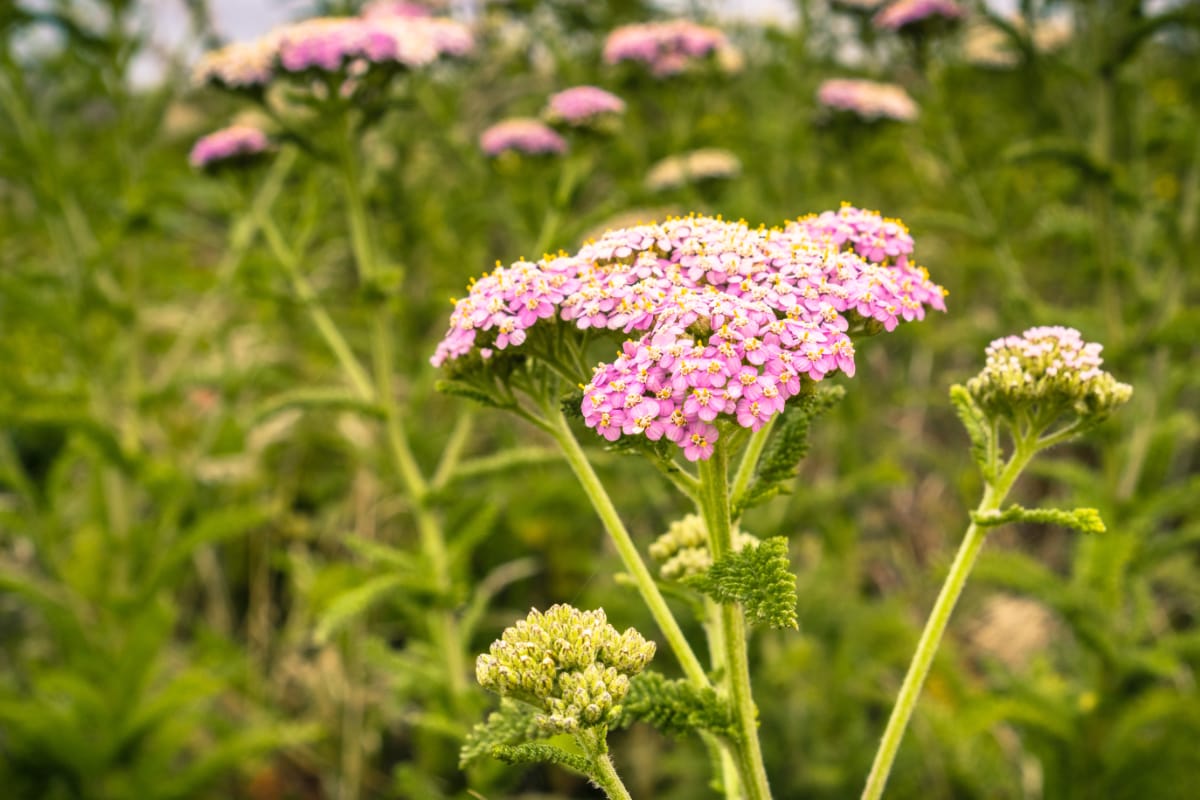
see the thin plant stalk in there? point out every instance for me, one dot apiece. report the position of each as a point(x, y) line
point(918, 670)
point(558, 427)
point(429, 529)
point(714, 508)
point(241, 238)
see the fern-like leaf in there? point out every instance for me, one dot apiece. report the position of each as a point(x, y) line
point(1084, 520)
point(509, 725)
point(760, 578)
point(531, 753)
point(675, 707)
point(786, 447)
point(976, 424)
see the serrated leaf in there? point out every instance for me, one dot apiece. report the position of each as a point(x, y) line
point(509, 725)
point(1084, 520)
point(316, 399)
point(786, 447)
point(760, 578)
point(542, 754)
point(976, 424)
point(675, 707)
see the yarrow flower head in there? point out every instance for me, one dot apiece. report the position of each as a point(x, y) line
point(722, 322)
point(571, 665)
point(1047, 373)
point(905, 14)
point(237, 143)
point(694, 166)
point(583, 106)
point(384, 35)
point(237, 66)
point(682, 551)
point(868, 99)
point(666, 48)
point(522, 135)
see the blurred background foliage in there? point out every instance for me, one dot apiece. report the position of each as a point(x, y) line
point(206, 591)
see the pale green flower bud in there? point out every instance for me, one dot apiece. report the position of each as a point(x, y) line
point(571, 664)
point(1046, 373)
point(683, 550)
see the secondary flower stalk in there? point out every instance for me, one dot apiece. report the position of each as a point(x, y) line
point(1039, 389)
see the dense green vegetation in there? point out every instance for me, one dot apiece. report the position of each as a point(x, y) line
point(217, 571)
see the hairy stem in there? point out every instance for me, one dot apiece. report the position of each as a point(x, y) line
point(714, 507)
point(603, 772)
point(560, 429)
point(750, 459)
point(918, 670)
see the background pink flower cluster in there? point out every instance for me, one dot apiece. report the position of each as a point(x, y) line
point(667, 48)
point(727, 320)
point(385, 34)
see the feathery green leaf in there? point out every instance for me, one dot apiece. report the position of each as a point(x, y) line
point(675, 707)
point(760, 578)
point(509, 725)
point(1084, 520)
point(529, 753)
point(976, 424)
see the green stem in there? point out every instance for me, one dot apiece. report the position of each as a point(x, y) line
point(560, 429)
point(720, 751)
point(604, 773)
point(429, 528)
point(714, 507)
point(240, 240)
point(935, 627)
point(356, 211)
point(307, 295)
point(749, 462)
point(562, 194)
point(445, 629)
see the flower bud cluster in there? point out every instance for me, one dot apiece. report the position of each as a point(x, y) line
point(666, 48)
point(868, 99)
point(729, 319)
point(347, 45)
point(570, 664)
point(1047, 370)
point(683, 550)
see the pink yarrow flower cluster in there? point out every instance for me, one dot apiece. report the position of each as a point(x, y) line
point(725, 321)
point(868, 99)
point(582, 106)
point(332, 44)
point(234, 142)
point(522, 135)
point(904, 13)
point(667, 48)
